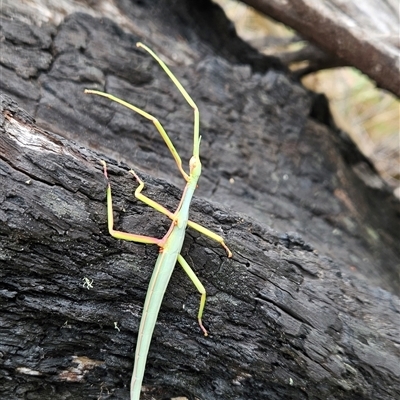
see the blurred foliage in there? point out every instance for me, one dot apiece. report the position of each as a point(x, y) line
point(369, 115)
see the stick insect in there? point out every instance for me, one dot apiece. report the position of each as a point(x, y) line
point(171, 244)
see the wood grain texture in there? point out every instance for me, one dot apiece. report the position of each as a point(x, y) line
point(307, 307)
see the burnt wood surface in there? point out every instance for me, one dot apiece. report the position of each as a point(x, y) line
point(306, 308)
point(362, 34)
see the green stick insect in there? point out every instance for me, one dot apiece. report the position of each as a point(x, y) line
point(171, 244)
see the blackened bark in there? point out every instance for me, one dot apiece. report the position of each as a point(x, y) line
point(307, 314)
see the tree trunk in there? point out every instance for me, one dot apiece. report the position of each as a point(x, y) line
point(307, 306)
point(363, 34)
